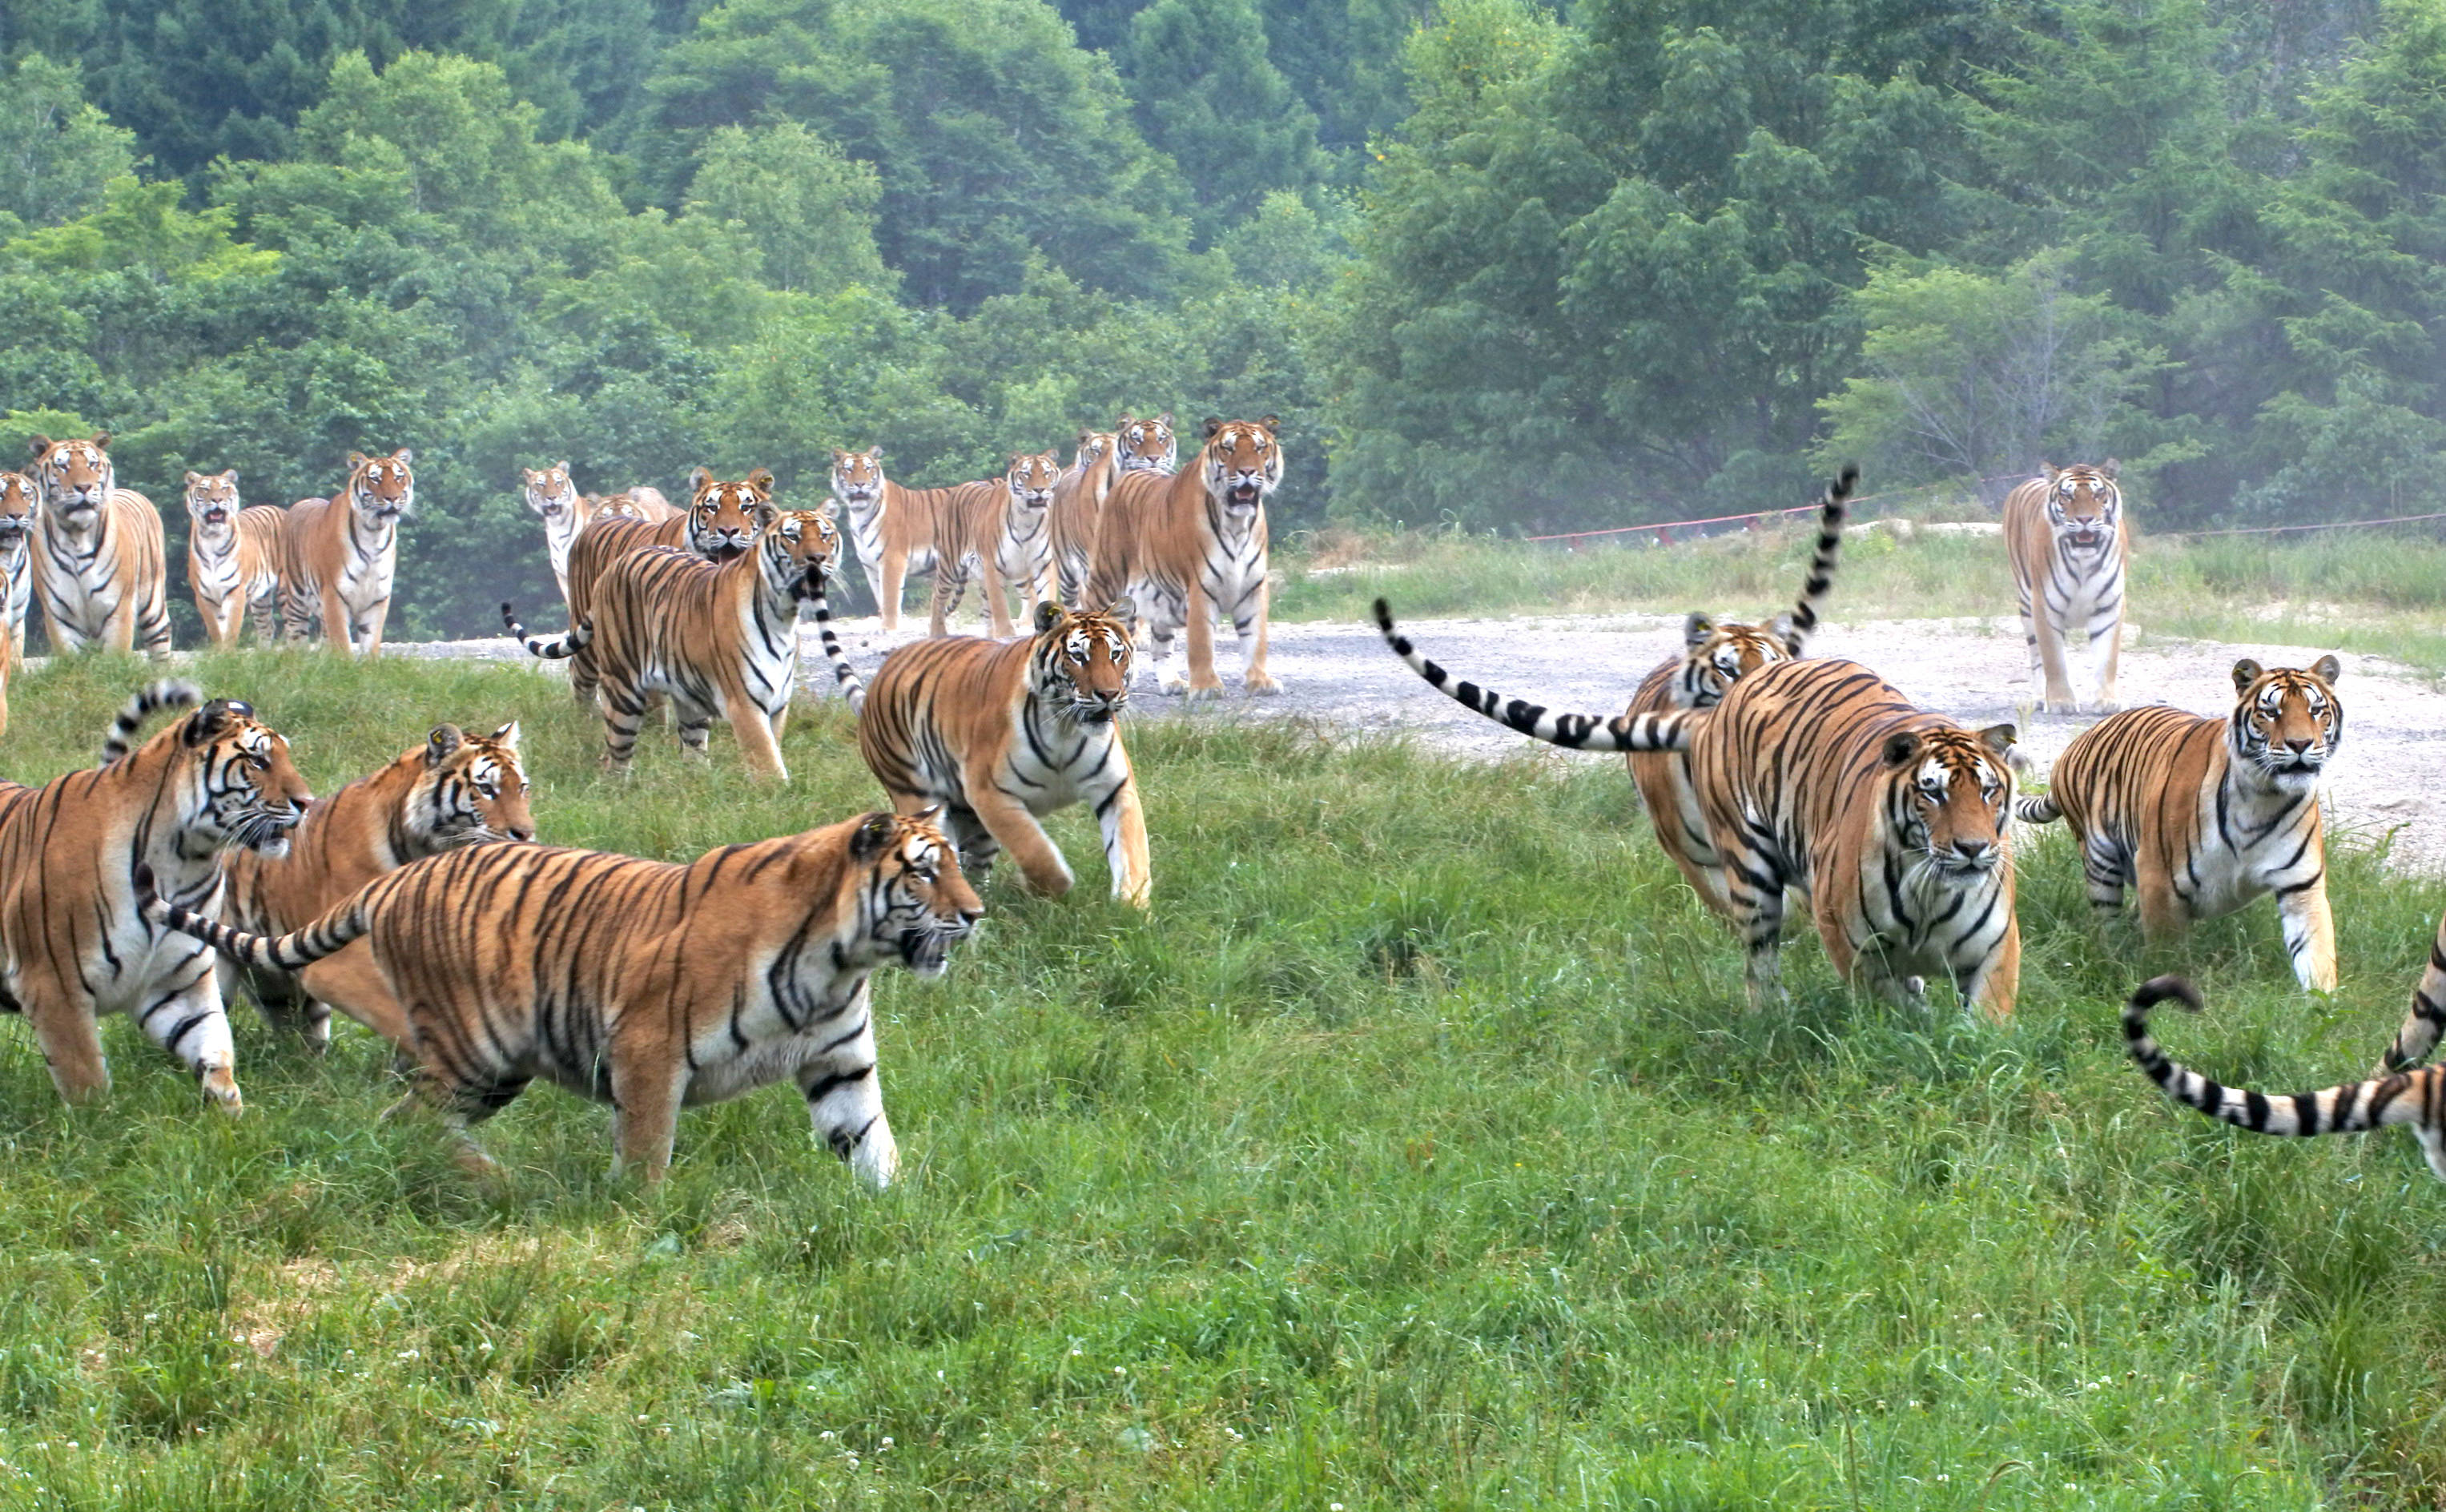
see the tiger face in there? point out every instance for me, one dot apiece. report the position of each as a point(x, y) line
point(73, 479)
point(17, 514)
point(551, 493)
point(252, 796)
point(857, 476)
point(913, 901)
point(1030, 479)
point(380, 488)
point(1949, 794)
point(797, 551)
point(611, 506)
point(725, 516)
point(1147, 446)
point(1094, 447)
point(2288, 722)
point(1080, 666)
point(212, 500)
point(1243, 464)
point(1717, 653)
point(2085, 506)
point(473, 788)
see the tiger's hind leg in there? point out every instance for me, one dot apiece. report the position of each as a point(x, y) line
point(2103, 870)
point(624, 713)
point(970, 840)
point(70, 1040)
point(845, 1100)
point(1754, 888)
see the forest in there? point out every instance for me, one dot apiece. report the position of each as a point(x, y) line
point(1500, 268)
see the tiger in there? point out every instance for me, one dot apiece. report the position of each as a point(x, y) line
point(234, 556)
point(2203, 814)
point(553, 496)
point(341, 553)
point(455, 788)
point(647, 500)
point(1003, 731)
point(1184, 547)
point(99, 555)
point(2413, 1097)
point(1148, 445)
point(896, 530)
point(2069, 545)
point(1078, 506)
point(721, 641)
point(73, 944)
point(649, 984)
point(17, 573)
point(999, 531)
point(1821, 776)
point(721, 518)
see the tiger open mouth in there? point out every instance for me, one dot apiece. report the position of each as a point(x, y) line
point(1242, 497)
point(926, 950)
point(727, 551)
point(216, 516)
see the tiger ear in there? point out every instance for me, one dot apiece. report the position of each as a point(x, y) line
point(1124, 608)
point(2245, 672)
point(871, 838)
point(440, 743)
point(38, 444)
point(1695, 629)
point(194, 478)
point(875, 453)
point(2327, 669)
point(2110, 468)
point(507, 736)
point(1214, 424)
point(101, 439)
point(402, 456)
point(230, 476)
point(1900, 747)
point(2000, 739)
point(2050, 471)
point(1271, 422)
point(1049, 615)
point(761, 479)
point(562, 464)
point(1164, 420)
point(1085, 435)
point(829, 509)
point(209, 722)
point(1780, 628)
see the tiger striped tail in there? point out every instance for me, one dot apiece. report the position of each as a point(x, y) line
point(2039, 808)
point(576, 639)
point(2353, 1107)
point(150, 700)
point(1833, 505)
point(852, 686)
point(292, 951)
point(1627, 732)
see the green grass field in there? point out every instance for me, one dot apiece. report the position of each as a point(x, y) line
point(1414, 1151)
point(2368, 590)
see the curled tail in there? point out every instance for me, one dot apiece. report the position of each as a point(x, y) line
point(2038, 809)
point(1642, 732)
point(292, 951)
point(577, 639)
point(852, 686)
point(149, 700)
point(2352, 1108)
point(1832, 507)
point(2422, 1025)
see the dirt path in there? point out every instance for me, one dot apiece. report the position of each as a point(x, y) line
point(2392, 770)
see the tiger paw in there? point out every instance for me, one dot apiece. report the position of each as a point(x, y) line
point(220, 1084)
point(1201, 693)
point(877, 1157)
point(1264, 683)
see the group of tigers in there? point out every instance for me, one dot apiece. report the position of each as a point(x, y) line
point(1765, 772)
point(417, 902)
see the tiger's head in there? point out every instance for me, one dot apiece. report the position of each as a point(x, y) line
point(467, 788)
point(724, 516)
point(2288, 722)
point(212, 501)
point(797, 551)
point(245, 792)
point(609, 506)
point(1030, 477)
point(72, 479)
point(1717, 653)
point(2085, 506)
point(1947, 796)
point(1243, 464)
point(1147, 446)
point(17, 514)
point(858, 478)
point(380, 488)
point(1080, 665)
point(552, 493)
point(913, 900)
point(1094, 447)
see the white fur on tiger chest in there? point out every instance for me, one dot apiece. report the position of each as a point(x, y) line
point(79, 576)
point(365, 572)
point(2259, 843)
point(17, 588)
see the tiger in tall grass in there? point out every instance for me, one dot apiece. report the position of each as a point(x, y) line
point(895, 531)
point(1005, 732)
point(234, 554)
point(721, 642)
point(73, 942)
point(2416, 1098)
point(342, 554)
point(999, 533)
point(454, 788)
point(1184, 547)
point(648, 985)
point(98, 560)
point(2069, 545)
point(1078, 506)
point(721, 518)
point(16, 578)
point(2202, 816)
point(1147, 444)
point(1822, 777)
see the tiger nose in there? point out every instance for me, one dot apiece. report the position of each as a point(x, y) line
point(523, 832)
point(1970, 850)
point(2297, 747)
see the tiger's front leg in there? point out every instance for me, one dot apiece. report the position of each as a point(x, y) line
point(1993, 981)
point(1251, 619)
point(366, 630)
point(845, 1100)
point(1123, 823)
point(2050, 680)
point(1016, 830)
point(1203, 684)
point(2310, 934)
point(182, 1013)
point(760, 738)
point(1755, 888)
point(337, 623)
